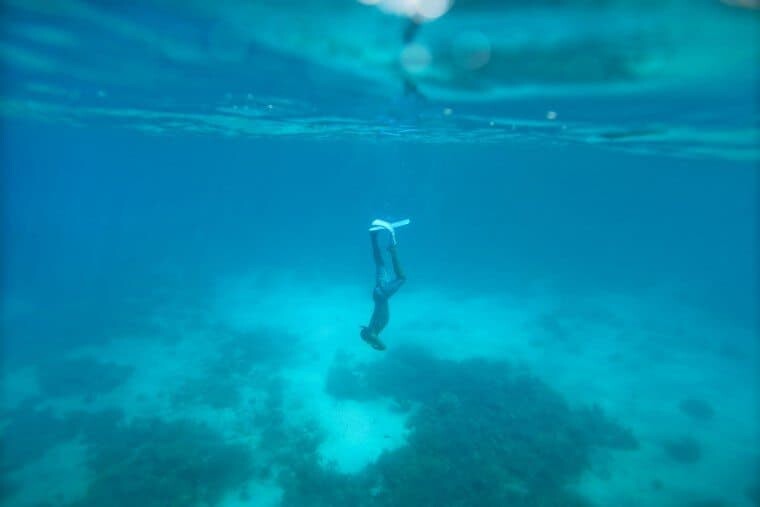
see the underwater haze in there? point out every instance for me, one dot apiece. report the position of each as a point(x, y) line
point(187, 188)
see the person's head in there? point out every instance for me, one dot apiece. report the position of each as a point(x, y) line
point(368, 334)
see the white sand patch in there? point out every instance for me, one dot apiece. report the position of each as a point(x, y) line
point(61, 475)
point(324, 316)
point(359, 433)
point(458, 327)
point(356, 433)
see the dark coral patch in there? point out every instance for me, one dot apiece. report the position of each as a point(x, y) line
point(684, 450)
point(31, 432)
point(83, 377)
point(242, 359)
point(753, 493)
point(147, 462)
point(697, 409)
point(216, 391)
point(239, 351)
point(155, 463)
point(8, 488)
point(483, 434)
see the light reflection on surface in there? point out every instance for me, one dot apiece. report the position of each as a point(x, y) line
point(674, 76)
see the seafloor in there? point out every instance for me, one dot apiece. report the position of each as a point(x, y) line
point(258, 391)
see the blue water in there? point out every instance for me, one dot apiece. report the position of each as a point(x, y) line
point(185, 262)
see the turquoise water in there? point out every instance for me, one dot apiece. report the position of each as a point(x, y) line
point(187, 189)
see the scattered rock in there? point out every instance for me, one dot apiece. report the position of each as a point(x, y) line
point(684, 450)
point(697, 409)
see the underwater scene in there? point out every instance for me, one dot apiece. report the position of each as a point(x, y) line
point(379, 253)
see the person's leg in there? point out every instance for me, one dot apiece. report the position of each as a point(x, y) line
point(383, 291)
point(390, 288)
point(380, 314)
point(377, 255)
point(379, 317)
point(378, 321)
point(397, 269)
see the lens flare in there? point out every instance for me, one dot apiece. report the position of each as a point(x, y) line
point(415, 58)
point(433, 9)
point(421, 10)
point(471, 50)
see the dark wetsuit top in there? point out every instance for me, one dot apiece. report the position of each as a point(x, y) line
point(384, 288)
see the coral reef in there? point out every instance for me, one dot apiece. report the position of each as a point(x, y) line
point(242, 358)
point(29, 433)
point(753, 493)
point(240, 350)
point(683, 450)
point(156, 463)
point(8, 488)
point(346, 382)
point(147, 462)
point(81, 377)
point(216, 391)
point(483, 434)
point(697, 409)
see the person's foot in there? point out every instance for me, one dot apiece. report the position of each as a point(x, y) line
point(371, 338)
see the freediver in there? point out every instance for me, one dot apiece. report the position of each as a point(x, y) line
point(384, 288)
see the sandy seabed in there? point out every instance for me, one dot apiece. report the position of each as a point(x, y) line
point(683, 382)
